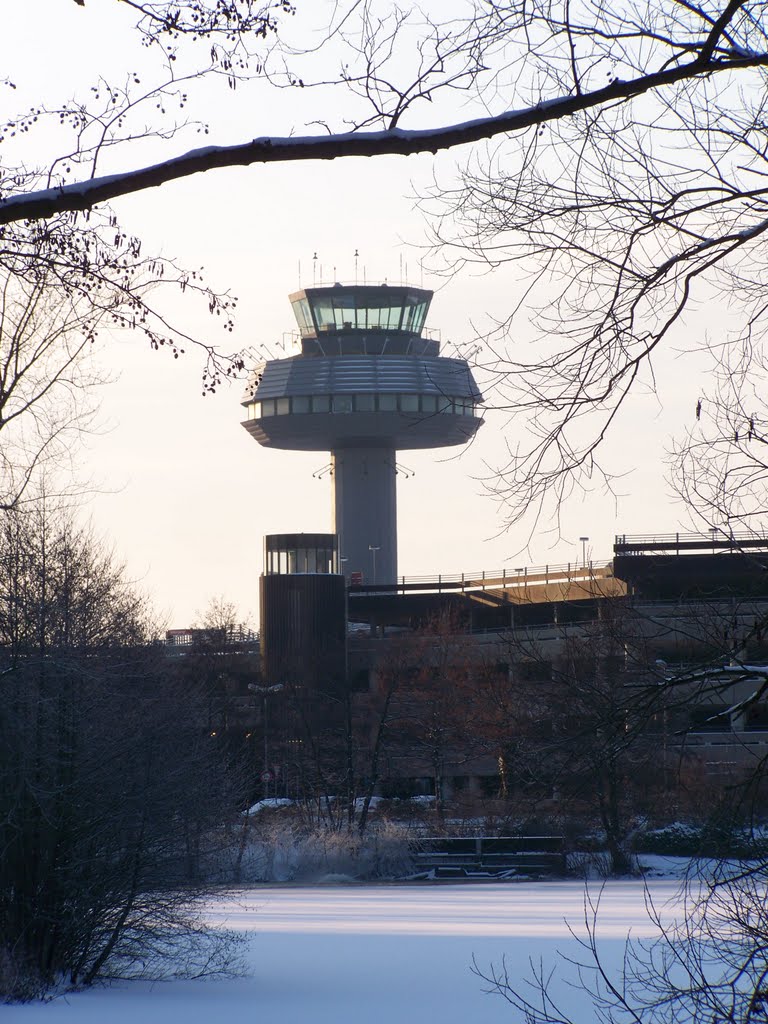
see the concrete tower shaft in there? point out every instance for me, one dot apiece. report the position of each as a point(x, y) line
point(365, 510)
point(367, 383)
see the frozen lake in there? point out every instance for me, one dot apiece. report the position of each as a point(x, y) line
point(371, 955)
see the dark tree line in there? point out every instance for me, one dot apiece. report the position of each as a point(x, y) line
point(108, 782)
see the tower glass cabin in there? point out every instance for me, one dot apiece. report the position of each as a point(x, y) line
point(366, 384)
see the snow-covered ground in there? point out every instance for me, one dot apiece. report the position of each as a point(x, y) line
point(333, 954)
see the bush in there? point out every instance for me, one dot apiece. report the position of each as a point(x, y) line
point(675, 840)
point(715, 838)
point(287, 851)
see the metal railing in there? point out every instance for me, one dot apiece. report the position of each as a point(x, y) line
point(718, 539)
point(504, 579)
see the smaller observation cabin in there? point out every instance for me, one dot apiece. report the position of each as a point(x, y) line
point(299, 553)
point(303, 615)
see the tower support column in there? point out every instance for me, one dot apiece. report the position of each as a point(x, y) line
point(365, 511)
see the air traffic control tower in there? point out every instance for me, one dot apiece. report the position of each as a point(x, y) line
point(366, 384)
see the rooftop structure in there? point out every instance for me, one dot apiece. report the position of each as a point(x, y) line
point(367, 382)
point(303, 611)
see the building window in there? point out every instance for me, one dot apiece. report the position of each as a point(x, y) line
point(710, 718)
point(304, 317)
point(368, 402)
point(365, 403)
point(757, 718)
point(489, 785)
point(534, 671)
point(324, 315)
point(360, 681)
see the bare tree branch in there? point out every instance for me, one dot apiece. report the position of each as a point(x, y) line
point(396, 141)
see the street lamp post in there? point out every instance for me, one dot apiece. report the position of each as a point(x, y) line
point(584, 550)
point(373, 548)
point(265, 692)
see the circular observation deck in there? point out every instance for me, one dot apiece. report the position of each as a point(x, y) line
point(365, 377)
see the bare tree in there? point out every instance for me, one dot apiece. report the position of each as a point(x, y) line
point(47, 384)
point(101, 755)
point(223, 617)
point(555, 60)
point(629, 168)
point(581, 726)
point(101, 278)
point(708, 962)
point(51, 326)
point(720, 467)
point(624, 217)
point(435, 704)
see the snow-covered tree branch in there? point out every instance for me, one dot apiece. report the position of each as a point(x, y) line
point(83, 195)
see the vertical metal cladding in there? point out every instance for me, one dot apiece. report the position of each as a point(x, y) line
point(303, 613)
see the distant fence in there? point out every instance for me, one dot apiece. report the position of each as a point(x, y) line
point(496, 579)
point(457, 857)
point(680, 543)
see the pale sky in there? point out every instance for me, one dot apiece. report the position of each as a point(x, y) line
point(185, 495)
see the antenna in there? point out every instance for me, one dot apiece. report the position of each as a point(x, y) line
point(401, 267)
point(314, 269)
point(357, 255)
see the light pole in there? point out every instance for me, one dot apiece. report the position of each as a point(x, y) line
point(584, 550)
point(265, 691)
point(373, 548)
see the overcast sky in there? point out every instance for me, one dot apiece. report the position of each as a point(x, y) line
point(185, 494)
